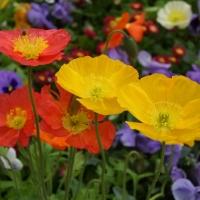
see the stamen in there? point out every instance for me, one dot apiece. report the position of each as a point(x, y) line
point(29, 47)
point(16, 119)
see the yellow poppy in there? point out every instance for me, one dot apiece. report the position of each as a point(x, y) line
point(169, 108)
point(96, 81)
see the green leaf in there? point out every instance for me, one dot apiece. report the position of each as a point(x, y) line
point(118, 194)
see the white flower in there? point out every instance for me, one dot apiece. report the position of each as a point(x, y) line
point(11, 155)
point(175, 13)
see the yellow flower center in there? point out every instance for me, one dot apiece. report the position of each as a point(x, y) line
point(98, 87)
point(165, 115)
point(29, 47)
point(16, 118)
point(176, 16)
point(76, 123)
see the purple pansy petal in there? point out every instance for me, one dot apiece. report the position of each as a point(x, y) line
point(118, 54)
point(58, 11)
point(194, 75)
point(125, 136)
point(182, 189)
point(195, 68)
point(146, 145)
point(194, 174)
point(9, 81)
point(177, 173)
point(154, 65)
point(144, 58)
point(38, 16)
point(176, 154)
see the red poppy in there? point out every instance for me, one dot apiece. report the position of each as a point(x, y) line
point(56, 142)
point(79, 127)
point(16, 117)
point(33, 47)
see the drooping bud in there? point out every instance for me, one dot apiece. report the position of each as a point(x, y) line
point(130, 47)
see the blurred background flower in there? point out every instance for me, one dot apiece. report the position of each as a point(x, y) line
point(9, 81)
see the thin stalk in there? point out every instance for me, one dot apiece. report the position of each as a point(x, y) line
point(109, 37)
point(37, 131)
point(72, 153)
point(81, 176)
point(103, 157)
point(170, 159)
point(124, 175)
point(158, 171)
point(33, 171)
point(88, 186)
point(13, 172)
point(161, 194)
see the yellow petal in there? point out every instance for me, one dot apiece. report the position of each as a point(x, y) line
point(185, 136)
point(150, 132)
point(155, 86)
point(101, 66)
point(104, 107)
point(71, 81)
point(134, 99)
point(124, 76)
point(182, 90)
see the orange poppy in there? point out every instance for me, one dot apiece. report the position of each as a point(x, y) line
point(116, 39)
point(56, 142)
point(135, 29)
point(78, 128)
point(33, 47)
point(16, 117)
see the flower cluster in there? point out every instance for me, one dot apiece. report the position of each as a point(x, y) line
point(86, 76)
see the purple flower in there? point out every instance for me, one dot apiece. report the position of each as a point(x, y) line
point(194, 25)
point(38, 16)
point(126, 136)
point(194, 174)
point(177, 173)
point(152, 66)
point(9, 81)
point(62, 10)
point(118, 54)
point(176, 154)
point(146, 145)
point(195, 74)
point(182, 189)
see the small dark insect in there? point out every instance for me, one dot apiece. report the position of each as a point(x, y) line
point(24, 32)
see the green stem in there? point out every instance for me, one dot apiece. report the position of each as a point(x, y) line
point(13, 172)
point(109, 37)
point(88, 186)
point(158, 171)
point(55, 168)
point(102, 155)
point(161, 194)
point(124, 174)
point(81, 176)
point(170, 159)
point(33, 172)
point(72, 152)
point(37, 131)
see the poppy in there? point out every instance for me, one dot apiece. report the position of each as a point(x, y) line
point(33, 47)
